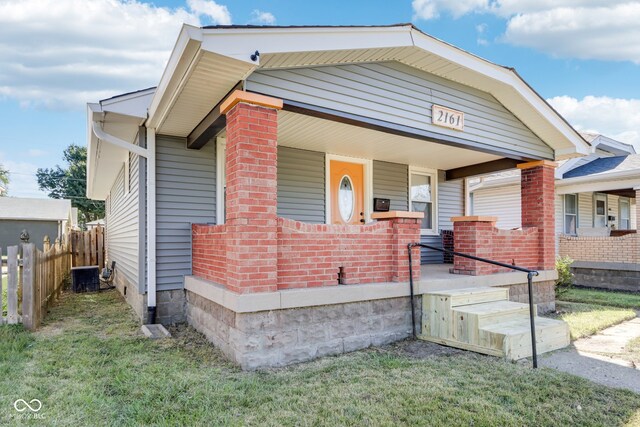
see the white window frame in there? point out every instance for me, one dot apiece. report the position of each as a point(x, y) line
point(127, 174)
point(221, 178)
point(367, 183)
point(433, 174)
point(622, 200)
point(595, 208)
point(564, 213)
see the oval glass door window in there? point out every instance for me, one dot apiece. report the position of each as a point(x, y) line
point(346, 199)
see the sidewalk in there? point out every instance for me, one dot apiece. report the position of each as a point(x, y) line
point(599, 358)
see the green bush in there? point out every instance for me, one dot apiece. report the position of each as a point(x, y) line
point(565, 276)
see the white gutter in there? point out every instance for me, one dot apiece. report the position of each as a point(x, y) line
point(150, 154)
point(613, 176)
point(103, 136)
point(151, 224)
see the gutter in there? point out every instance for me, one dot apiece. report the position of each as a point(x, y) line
point(148, 153)
point(631, 173)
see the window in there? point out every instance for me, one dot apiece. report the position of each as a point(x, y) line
point(570, 213)
point(625, 214)
point(221, 180)
point(600, 210)
point(422, 198)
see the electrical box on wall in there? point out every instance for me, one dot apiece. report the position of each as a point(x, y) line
point(381, 205)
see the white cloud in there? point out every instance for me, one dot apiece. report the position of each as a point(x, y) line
point(260, 17)
point(585, 29)
point(61, 54)
point(481, 29)
point(616, 118)
point(606, 33)
point(34, 152)
point(22, 175)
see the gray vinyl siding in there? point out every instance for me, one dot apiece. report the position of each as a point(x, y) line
point(391, 181)
point(301, 182)
point(450, 202)
point(585, 210)
point(430, 256)
point(185, 194)
point(121, 223)
point(399, 94)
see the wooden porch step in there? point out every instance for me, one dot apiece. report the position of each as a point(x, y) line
point(468, 319)
point(469, 296)
point(514, 338)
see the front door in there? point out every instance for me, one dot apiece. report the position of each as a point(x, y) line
point(600, 211)
point(346, 192)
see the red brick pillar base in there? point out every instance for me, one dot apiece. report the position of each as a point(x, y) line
point(406, 229)
point(251, 198)
point(537, 186)
point(472, 236)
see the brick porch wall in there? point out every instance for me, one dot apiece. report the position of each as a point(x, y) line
point(209, 252)
point(601, 249)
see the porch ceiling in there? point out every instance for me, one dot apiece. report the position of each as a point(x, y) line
point(316, 134)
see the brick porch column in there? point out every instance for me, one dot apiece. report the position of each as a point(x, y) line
point(251, 198)
point(537, 186)
point(472, 236)
point(406, 229)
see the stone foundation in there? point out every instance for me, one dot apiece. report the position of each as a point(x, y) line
point(282, 337)
point(171, 307)
point(130, 293)
point(610, 276)
point(544, 295)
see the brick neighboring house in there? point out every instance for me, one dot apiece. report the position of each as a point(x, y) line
point(595, 208)
point(265, 192)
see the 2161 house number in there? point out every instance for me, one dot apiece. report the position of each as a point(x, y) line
point(447, 117)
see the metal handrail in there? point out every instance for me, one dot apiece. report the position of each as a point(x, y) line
point(530, 274)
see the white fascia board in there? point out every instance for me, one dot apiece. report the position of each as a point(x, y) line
point(617, 148)
point(134, 104)
point(493, 183)
point(588, 187)
point(94, 110)
point(182, 55)
point(241, 43)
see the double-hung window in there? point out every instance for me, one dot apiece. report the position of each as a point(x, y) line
point(422, 198)
point(570, 214)
point(625, 214)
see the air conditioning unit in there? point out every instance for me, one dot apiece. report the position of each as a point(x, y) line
point(85, 279)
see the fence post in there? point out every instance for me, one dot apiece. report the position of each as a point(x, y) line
point(46, 244)
point(12, 286)
point(29, 314)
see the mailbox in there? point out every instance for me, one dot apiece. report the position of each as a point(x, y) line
point(381, 205)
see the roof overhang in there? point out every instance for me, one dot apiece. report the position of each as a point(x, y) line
point(115, 118)
point(207, 63)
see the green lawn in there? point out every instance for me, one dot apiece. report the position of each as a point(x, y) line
point(90, 366)
point(587, 319)
point(613, 299)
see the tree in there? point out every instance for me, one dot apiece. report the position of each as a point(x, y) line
point(4, 180)
point(71, 183)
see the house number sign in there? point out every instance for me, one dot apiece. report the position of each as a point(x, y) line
point(446, 117)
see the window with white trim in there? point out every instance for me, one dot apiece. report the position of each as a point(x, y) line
point(570, 214)
point(625, 213)
point(221, 180)
point(422, 198)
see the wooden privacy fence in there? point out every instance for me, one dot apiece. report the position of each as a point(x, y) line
point(33, 281)
point(87, 247)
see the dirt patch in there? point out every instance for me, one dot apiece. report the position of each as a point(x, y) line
point(419, 349)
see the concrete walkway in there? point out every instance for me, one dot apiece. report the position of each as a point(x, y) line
point(585, 357)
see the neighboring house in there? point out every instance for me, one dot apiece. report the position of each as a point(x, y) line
point(39, 217)
point(93, 224)
point(246, 193)
point(596, 215)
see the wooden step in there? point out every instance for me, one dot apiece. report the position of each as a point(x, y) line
point(437, 318)
point(468, 319)
point(515, 337)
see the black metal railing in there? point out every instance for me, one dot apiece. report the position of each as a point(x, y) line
point(530, 274)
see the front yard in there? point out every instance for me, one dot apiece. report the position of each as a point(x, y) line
point(90, 366)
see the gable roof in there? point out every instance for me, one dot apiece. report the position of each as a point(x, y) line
point(28, 209)
point(605, 166)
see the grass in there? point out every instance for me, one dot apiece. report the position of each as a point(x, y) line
point(588, 319)
point(90, 366)
point(607, 298)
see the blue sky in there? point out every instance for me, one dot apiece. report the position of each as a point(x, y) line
point(583, 58)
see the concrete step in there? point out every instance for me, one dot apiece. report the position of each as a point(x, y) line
point(514, 338)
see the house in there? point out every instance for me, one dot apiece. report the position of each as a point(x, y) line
point(595, 204)
point(39, 217)
point(266, 190)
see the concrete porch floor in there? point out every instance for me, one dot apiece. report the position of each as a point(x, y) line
point(436, 277)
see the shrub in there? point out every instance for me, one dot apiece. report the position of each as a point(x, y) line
point(565, 276)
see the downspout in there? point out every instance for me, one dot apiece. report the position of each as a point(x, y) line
point(150, 154)
point(151, 225)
